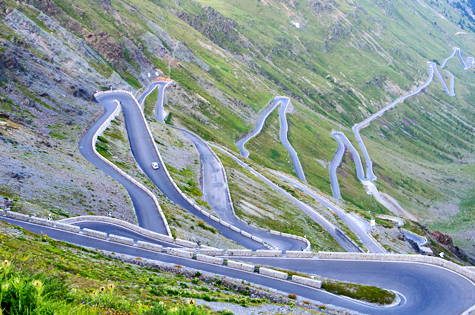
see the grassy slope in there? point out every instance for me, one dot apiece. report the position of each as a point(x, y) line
point(71, 278)
point(370, 51)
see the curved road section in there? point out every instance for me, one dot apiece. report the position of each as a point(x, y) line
point(359, 226)
point(284, 128)
point(342, 140)
point(216, 192)
point(160, 113)
point(424, 289)
point(342, 239)
point(145, 205)
point(145, 153)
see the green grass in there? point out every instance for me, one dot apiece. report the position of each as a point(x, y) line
point(275, 212)
point(365, 293)
point(61, 278)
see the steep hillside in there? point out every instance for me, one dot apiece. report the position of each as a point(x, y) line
point(339, 60)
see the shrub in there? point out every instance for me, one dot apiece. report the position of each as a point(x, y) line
point(292, 296)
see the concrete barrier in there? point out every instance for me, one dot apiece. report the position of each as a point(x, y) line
point(121, 240)
point(239, 252)
point(307, 281)
point(209, 259)
point(235, 229)
point(286, 235)
point(211, 252)
point(41, 221)
point(2, 212)
point(67, 227)
point(273, 273)
point(128, 225)
point(179, 253)
point(246, 234)
point(268, 253)
point(186, 243)
point(224, 223)
point(18, 216)
point(255, 238)
point(241, 266)
point(212, 217)
point(298, 254)
point(274, 232)
point(406, 258)
point(150, 246)
point(94, 233)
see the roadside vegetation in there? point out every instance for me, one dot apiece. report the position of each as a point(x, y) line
point(367, 293)
point(61, 278)
point(257, 203)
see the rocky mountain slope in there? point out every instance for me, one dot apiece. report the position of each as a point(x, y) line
point(338, 60)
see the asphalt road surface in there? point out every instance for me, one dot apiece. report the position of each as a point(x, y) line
point(146, 210)
point(425, 289)
point(216, 192)
point(284, 103)
point(359, 226)
point(145, 153)
point(315, 215)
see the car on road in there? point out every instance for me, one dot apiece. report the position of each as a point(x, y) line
point(155, 166)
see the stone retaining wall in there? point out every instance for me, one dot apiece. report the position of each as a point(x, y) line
point(211, 252)
point(306, 281)
point(150, 246)
point(94, 233)
point(298, 254)
point(122, 223)
point(209, 259)
point(239, 252)
point(121, 239)
point(241, 266)
point(179, 253)
point(67, 227)
point(273, 273)
point(395, 257)
point(268, 253)
point(186, 243)
point(41, 221)
point(17, 216)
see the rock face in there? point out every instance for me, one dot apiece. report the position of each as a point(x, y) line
point(155, 46)
point(181, 52)
point(8, 61)
point(78, 44)
point(444, 239)
point(57, 52)
point(212, 24)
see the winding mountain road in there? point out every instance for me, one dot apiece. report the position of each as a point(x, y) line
point(284, 128)
point(424, 289)
point(145, 152)
point(342, 140)
point(314, 214)
point(145, 204)
point(359, 226)
point(216, 192)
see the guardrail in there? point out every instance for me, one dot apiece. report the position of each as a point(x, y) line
point(130, 226)
point(195, 253)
